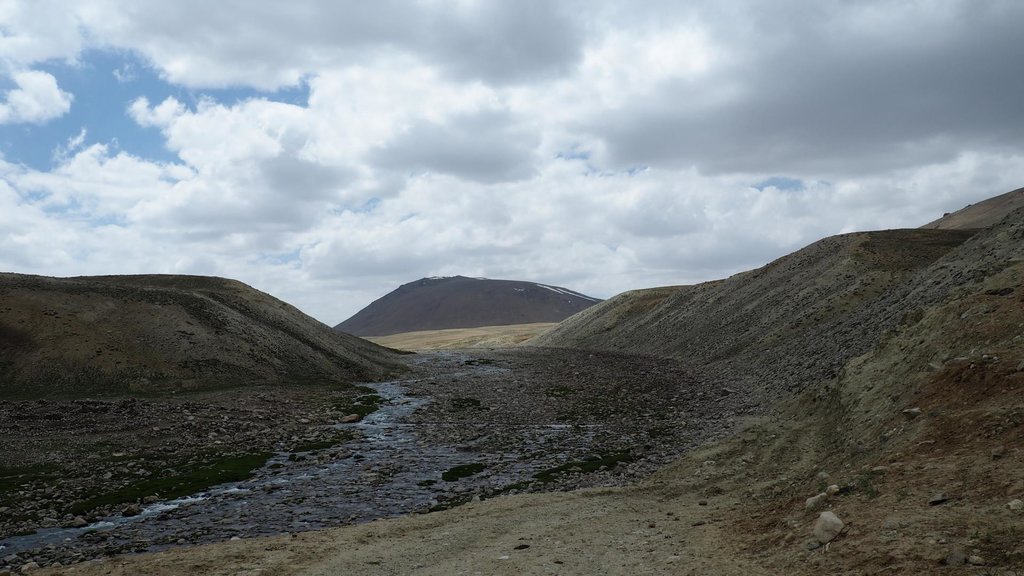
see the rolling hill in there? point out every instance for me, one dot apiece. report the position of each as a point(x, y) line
point(154, 333)
point(442, 303)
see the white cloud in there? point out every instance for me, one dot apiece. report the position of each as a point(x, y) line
point(36, 99)
point(600, 146)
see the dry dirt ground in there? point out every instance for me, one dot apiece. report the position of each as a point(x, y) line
point(463, 338)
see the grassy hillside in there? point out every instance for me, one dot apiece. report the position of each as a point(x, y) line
point(461, 338)
point(143, 334)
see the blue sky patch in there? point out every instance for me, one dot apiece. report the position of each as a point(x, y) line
point(104, 83)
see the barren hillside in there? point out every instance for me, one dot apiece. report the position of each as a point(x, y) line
point(787, 325)
point(981, 214)
point(87, 335)
point(459, 302)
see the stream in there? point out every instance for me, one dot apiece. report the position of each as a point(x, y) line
point(387, 471)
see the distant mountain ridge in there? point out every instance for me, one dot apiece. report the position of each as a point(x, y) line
point(444, 302)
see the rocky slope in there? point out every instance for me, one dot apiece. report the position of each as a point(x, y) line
point(981, 214)
point(785, 326)
point(140, 334)
point(459, 302)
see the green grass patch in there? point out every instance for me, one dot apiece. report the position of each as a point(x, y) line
point(465, 404)
point(659, 431)
point(184, 482)
point(585, 466)
point(455, 473)
point(11, 479)
point(363, 405)
point(558, 392)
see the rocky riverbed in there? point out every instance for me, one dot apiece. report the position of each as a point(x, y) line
point(461, 426)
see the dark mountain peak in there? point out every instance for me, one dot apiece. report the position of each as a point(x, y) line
point(442, 302)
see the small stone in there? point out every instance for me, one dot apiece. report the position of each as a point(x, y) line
point(912, 413)
point(937, 499)
point(235, 538)
point(827, 527)
point(1015, 505)
point(880, 469)
point(153, 499)
point(975, 560)
point(815, 502)
point(78, 522)
point(351, 418)
point(29, 567)
point(998, 452)
point(955, 557)
point(822, 475)
point(832, 490)
point(522, 547)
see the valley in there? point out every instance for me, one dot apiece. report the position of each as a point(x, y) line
point(459, 428)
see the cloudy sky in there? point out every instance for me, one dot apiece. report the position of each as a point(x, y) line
point(326, 152)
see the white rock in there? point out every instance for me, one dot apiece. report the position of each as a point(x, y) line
point(1015, 505)
point(832, 490)
point(827, 527)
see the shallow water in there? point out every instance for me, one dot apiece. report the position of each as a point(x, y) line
point(388, 471)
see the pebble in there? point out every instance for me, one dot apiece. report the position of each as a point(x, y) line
point(351, 418)
point(912, 412)
point(1015, 505)
point(937, 499)
point(975, 560)
point(832, 490)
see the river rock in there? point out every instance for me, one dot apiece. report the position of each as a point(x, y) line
point(351, 418)
point(832, 490)
point(29, 567)
point(827, 527)
point(1015, 505)
point(912, 413)
point(78, 522)
point(975, 560)
point(131, 510)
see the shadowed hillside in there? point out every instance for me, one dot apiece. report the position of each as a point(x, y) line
point(115, 334)
point(461, 302)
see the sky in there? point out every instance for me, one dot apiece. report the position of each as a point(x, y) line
point(328, 151)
